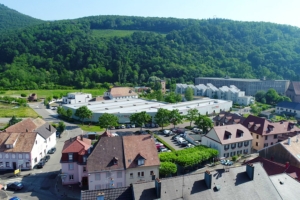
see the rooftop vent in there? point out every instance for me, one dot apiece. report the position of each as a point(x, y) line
point(106, 108)
point(281, 182)
point(121, 106)
point(134, 105)
point(103, 102)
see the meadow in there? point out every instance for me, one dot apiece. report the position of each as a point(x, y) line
point(9, 110)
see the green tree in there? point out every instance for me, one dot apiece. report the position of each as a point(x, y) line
point(260, 96)
point(271, 96)
point(13, 121)
point(162, 117)
point(83, 113)
point(159, 95)
point(189, 94)
point(167, 168)
point(175, 117)
point(157, 86)
point(192, 115)
point(203, 122)
point(140, 118)
point(107, 120)
point(178, 98)
point(69, 114)
point(61, 126)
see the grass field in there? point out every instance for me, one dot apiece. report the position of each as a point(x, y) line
point(116, 33)
point(91, 128)
point(9, 110)
point(46, 93)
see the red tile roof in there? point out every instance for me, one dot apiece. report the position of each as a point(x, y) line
point(122, 91)
point(273, 168)
point(140, 145)
point(22, 126)
point(23, 143)
point(262, 126)
point(76, 145)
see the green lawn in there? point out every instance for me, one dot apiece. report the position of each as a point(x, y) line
point(91, 128)
point(9, 110)
point(46, 93)
point(106, 33)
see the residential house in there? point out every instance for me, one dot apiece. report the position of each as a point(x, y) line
point(288, 109)
point(38, 125)
point(227, 118)
point(77, 97)
point(105, 165)
point(74, 161)
point(274, 168)
point(141, 159)
point(121, 193)
point(20, 150)
point(243, 182)
point(120, 93)
point(284, 151)
point(229, 140)
point(32, 97)
point(266, 133)
point(293, 91)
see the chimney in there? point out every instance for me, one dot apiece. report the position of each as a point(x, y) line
point(289, 141)
point(70, 139)
point(158, 187)
point(81, 137)
point(250, 171)
point(49, 127)
point(208, 179)
point(153, 176)
point(100, 196)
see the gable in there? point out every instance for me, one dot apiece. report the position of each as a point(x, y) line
point(213, 135)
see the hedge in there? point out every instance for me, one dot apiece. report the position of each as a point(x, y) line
point(164, 143)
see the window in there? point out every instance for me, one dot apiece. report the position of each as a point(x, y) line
point(246, 143)
point(233, 146)
point(131, 175)
point(140, 174)
point(107, 174)
point(7, 164)
point(151, 173)
point(71, 166)
point(266, 137)
point(226, 147)
point(266, 144)
point(84, 169)
point(256, 144)
point(1, 164)
point(27, 164)
point(84, 159)
point(257, 136)
point(119, 174)
point(119, 184)
point(70, 156)
point(71, 177)
point(97, 176)
point(245, 151)
point(27, 156)
point(6, 155)
point(271, 143)
point(275, 136)
point(35, 160)
point(141, 161)
point(97, 187)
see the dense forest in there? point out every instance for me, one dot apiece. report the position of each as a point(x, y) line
point(78, 53)
point(11, 19)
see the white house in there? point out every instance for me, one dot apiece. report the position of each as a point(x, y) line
point(120, 93)
point(41, 127)
point(288, 109)
point(229, 140)
point(77, 97)
point(20, 150)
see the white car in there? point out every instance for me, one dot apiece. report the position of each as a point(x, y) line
point(189, 146)
point(168, 132)
point(114, 134)
point(132, 125)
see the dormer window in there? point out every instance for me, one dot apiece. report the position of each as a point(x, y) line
point(256, 126)
point(115, 161)
point(227, 135)
point(240, 133)
point(141, 161)
point(70, 156)
point(270, 128)
point(250, 124)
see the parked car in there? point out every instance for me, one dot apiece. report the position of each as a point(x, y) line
point(128, 126)
point(123, 126)
point(15, 186)
point(47, 157)
point(15, 198)
point(167, 132)
point(184, 143)
point(175, 137)
point(189, 145)
point(52, 150)
point(112, 128)
point(132, 125)
point(40, 164)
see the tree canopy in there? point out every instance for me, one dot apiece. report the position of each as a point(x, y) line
point(203, 122)
point(189, 94)
point(140, 118)
point(106, 120)
point(162, 117)
point(83, 113)
point(192, 115)
point(175, 117)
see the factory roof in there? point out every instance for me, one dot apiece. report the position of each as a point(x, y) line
point(237, 79)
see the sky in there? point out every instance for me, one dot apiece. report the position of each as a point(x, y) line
point(276, 11)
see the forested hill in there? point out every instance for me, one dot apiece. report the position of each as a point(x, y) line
point(118, 49)
point(11, 19)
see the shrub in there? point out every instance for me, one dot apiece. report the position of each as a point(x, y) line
point(23, 95)
point(234, 158)
point(164, 143)
point(167, 168)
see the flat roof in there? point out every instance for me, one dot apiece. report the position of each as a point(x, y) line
point(237, 79)
point(139, 105)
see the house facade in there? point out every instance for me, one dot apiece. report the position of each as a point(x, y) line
point(293, 91)
point(141, 159)
point(120, 93)
point(105, 165)
point(77, 97)
point(73, 161)
point(288, 109)
point(266, 133)
point(20, 150)
point(229, 140)
point(38, 125)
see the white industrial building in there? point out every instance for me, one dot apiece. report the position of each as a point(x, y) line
point(123, 108)
point(231, 93)
point(77, 97)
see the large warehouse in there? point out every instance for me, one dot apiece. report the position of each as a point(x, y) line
point(123, 108)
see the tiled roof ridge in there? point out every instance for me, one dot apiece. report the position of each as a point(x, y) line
point(72, 142)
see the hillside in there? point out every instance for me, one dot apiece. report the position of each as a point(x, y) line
point(11, 19)
point(119, 49)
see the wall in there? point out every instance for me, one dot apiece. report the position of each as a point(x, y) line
point(15, 157)
point(51, 141)
point(278, 110)
point(262, 140)
point(39, 149)
point(74, 172)
point(147, 175)
point(105, 181)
